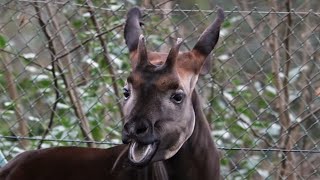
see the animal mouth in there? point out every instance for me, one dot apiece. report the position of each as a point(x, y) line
point(141, 154)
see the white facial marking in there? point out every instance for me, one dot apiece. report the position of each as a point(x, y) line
point(182, 139)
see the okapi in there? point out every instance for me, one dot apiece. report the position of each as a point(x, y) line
point(165, 133)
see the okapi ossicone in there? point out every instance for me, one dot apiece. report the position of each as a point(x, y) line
point(165, 133)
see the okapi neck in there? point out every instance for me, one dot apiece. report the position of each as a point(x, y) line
point(198, 158)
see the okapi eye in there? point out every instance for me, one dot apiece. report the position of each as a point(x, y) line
point(177, 97)
point(126, 93)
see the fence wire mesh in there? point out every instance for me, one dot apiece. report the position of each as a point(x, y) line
point(63, 65)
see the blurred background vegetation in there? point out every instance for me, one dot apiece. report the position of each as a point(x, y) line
point(63, 65)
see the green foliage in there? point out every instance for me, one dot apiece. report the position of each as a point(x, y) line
point(3, 41)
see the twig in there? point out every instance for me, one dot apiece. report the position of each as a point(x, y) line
point(287, 51)
point(105, 52)
point(54, 107)
point(88, 40)
point(26, 59)
point(15, 98)
point(305, 118)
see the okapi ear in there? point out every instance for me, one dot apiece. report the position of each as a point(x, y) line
point(206, 67)
point(208, 38)
point(132, 29)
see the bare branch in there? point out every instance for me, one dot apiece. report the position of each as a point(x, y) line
point(26, 59)
point(88, 40)
point(288, 159)
point(16, 100)
point(309, 54)
point(54, 106)
point(68, 79)
point(71, 89)
point(287, 50)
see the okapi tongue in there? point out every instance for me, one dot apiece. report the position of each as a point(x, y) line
point(140, 154)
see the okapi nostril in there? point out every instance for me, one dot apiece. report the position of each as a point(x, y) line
point(141, 130)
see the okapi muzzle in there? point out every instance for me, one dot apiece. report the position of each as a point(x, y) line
point(159, 114)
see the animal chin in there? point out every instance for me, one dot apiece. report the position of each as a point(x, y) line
point(140, 154)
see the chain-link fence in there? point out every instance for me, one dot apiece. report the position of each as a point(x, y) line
point(63, 65)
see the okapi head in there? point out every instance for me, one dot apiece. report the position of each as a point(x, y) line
point(159, 114)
